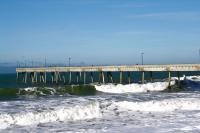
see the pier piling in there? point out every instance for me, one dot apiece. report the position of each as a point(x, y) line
point(91, 76)
point(103, 78)
point(84, 77)
point(129, 77)
point(178, 75)
point(169, 79)
point(70, 77)
point(151, 76)
point(77, 77)
point(143, 77)
point(120, 77)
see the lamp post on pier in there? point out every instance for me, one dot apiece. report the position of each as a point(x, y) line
point(199, 55)
point(142, 58)
point(69, 61)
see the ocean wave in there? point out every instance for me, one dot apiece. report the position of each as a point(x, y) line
point(37, 91)
point(173, 104)
point(189, 82)
point(133, 88)
point(46, 91)
point(78, 112)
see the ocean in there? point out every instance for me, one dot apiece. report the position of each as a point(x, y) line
point(97, 108)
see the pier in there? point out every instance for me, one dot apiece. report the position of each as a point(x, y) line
point(58, 74)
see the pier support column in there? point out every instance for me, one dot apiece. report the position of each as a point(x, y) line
point(111, 78)
point(129, 77)
point(32, 77)
point(52, 77)
point(63, 77)
point(143, 77)
point(91, 76)
point(84, 77)
point(45, 77)
point(25, 79)
point(77, 77)
point(100, 75)
point(36, 78)
point(56, 77)
point(80, 75)
point(103, 78)
point(41, 76)
point(70, 77)
point(178, 75)
point(108, 77)
point(120, 77)
point(151, 76)
point(59, 77)
point(169, 79)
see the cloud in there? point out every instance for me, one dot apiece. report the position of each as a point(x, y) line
point(168, 15)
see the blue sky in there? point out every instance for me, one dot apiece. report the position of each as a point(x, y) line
point(100, 31)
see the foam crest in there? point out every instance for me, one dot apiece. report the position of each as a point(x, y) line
point(78, 112)
point(133, 88)
point(162, 106)
point(37, 91)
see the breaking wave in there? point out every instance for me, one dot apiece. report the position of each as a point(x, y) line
point(78, 112)
point(133, 88)
point(189, 83)
point(173, 104)
point(43, 91)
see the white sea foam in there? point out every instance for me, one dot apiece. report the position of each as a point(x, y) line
point(190, 78)
point(30, 89)
point(193, 78)
point(133, 88)
point(78, 112)
point(139, 88)
point(162, 105)
point(36, 90)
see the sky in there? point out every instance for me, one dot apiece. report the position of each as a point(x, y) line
point(99, 31)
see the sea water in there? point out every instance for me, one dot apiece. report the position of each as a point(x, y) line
point(109, 108)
